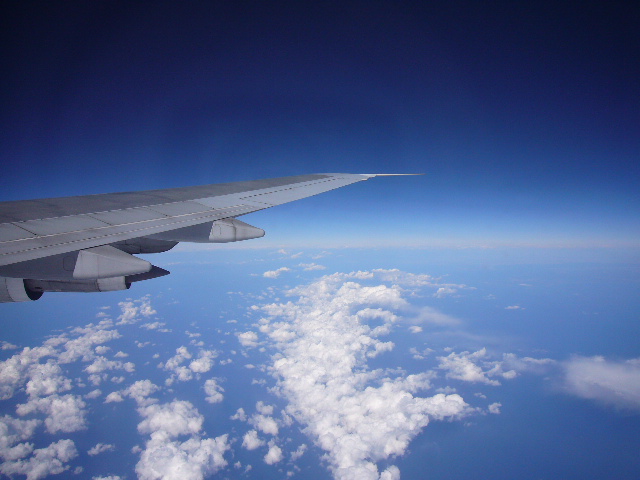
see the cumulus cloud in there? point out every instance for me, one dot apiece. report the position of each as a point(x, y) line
point(44, 461)
point(275, 273)
point(15, 371)
point(251, 441)
point(101, 364)
point(615, 383)
point(465, 366)
point(480, 367)
point(265, 424)
point(494, 408)
point(133, 311)
point(100, 448)
point(323, 339)
point(140, 391)
point(168, 458)
point(201, 364)
point(248, 339)
point(13, 431)
point(213, 391)
point(64, 413)
point(274, 455)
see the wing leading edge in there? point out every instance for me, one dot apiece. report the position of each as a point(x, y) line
point(87, 243)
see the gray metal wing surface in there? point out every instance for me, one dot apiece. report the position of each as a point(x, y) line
point(88, 238)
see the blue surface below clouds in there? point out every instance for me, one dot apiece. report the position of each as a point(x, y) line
point(544, 427)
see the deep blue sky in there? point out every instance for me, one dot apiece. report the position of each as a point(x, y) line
point(525, 116)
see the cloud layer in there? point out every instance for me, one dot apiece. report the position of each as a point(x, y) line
point(323, 339)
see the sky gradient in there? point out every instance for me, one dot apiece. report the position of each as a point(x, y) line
point(524, 117)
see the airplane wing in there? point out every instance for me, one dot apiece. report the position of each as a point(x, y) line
point(87, 243)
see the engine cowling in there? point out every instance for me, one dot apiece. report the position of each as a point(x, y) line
point(111, 284)
point(16, 290)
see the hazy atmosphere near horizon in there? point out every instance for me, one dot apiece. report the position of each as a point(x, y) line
point(479, 321)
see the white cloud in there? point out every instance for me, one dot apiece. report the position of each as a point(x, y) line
point(12, 431)
point(298, 452)
point(263, 408)
point(100, 448)
point(101, 364)
point(357, 415)
point(64, 413)
point(265, 424)
point(391, 473)
point(14, 370)
point(275, 273)
point(133, 310)
point(274, 455)
point(205, 361)
point(464, 366)
point(495, 408)
point(312, 266)
point(44, 461)
point(239, 415)
point(183, 373)
point(444, 291)
point(251, 441)
point(170, 459)
point(415, 329)
point(7, 346)
point(46, 379)
point(113, 397)
point(213, 391)
point(93, 394)
point(248, 339)
point(514, 307)
point(153, 325)
point(610, 382)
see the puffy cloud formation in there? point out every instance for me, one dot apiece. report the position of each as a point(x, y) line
point(479, 367)
point(275, 273)
point(251, 441)
point(464, 366)
point(183, 373)
point(133, 311)
point(39, 370)
point(12, 431)
point(213, 391)
point(357, 415)
point(100, 448)
point(19, 368)
point(274, 455)
point(167, 458)
point(44, 461)
point(64, 413)
point(248, 339)
point(140, 391)
point(606, 381)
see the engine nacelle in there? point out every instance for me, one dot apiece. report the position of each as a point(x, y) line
point(111, 284)
point(220, 231)
point(16, 290)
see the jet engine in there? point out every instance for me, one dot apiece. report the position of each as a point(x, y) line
point(16, 290)
point(24, 290)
